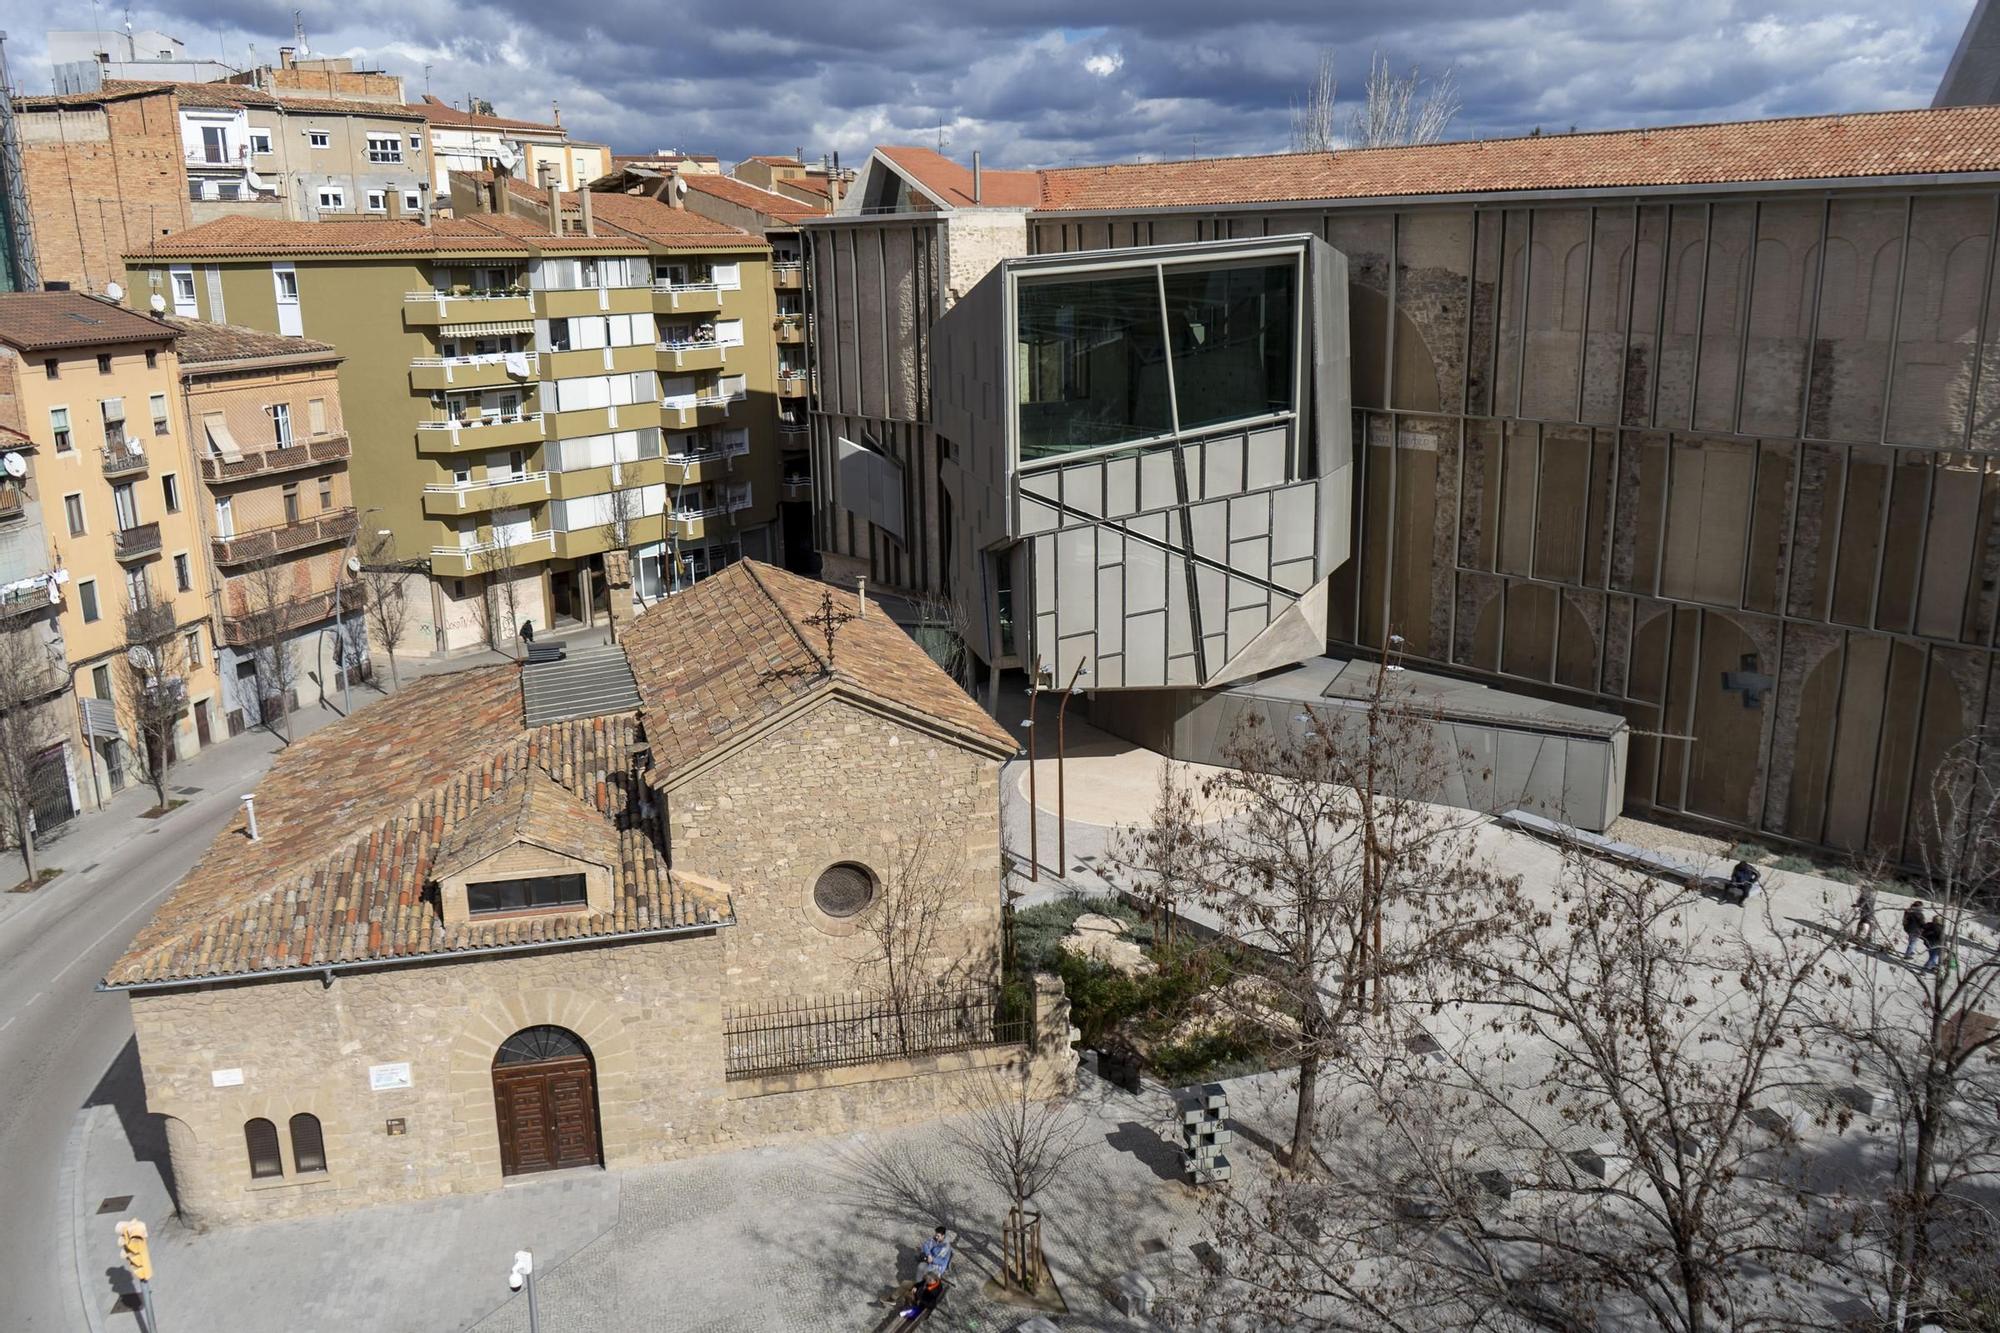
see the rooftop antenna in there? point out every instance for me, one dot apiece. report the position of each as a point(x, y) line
point(427, 80)
point(299, 30)
point(943, 140)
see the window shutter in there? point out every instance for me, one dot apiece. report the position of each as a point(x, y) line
point(308, 1147)
point(261, 1137)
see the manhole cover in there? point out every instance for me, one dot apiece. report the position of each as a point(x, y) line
point(187, 791)
point(116, 1205)
point(1152, 1246)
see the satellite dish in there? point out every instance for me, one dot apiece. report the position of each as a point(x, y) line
point(680, 186)
point(353, 565)
point(133, 446)
point(17, 466)
point(140, 656)
point(159, 304)
point(114, 291)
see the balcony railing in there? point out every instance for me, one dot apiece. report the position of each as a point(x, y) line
point(264, 543)
point(462, 489)
point(27, 596)
point(254, 626)
point(483, 294)
point(137, 542)
point(120, 461)
point(290, 458)
point(474, 423)
point(545, 537)
point(687, 286)
point(12, 505)
point(479, 359)
point(727, 449)
point(720, 398)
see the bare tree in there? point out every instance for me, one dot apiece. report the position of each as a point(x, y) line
point(1328, 837)
point(1576, 1135)
point(622, 504)
point(1934, 1048)
point(1395, 109)
point(498, 609)
point(385, 585)
point(156, 671)
point(29, 676)
point(1022, 1141)
point(268, 612)
point(1158, 861)
point(909, 927)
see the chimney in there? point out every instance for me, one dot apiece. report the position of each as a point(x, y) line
point(286, 56)
point(555, 206)
point(250, 814)
point(555, 110)
point(589, 223)
point(674, 188)
point(975, 176)
point(833, 183)
point(861, 597)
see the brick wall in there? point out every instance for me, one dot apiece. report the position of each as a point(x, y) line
point(102, 181)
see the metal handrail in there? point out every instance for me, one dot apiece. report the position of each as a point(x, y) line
point(485, 483)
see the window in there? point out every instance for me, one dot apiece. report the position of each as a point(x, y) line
point(113, 412)
point(225, 517)
point(51, 368)
point(170, 493)
point(729, 277)
point(281, 422)
point(193, 645)
point(844, 889)
point(319, 138)
point(413, 202)
point(291, 502)
point(308, 1147)
point(385, 148)
point(524, 895)
point(325, 494)
point(288, 284)
point(158, 403)
point(215, 143)
point(73, 508)
point(104, 363)
point(86, 599)
point(316, 415)
point(260, 142)
point(125, 503)
point(184, 301)
point(59, 427)
point(100, 676)
point(138, 589)
point(152, 359)
point(377, 201)
point(559, 335)
point(416, 143)
point(332, 197)
point(183, 573)
point(260, 1136)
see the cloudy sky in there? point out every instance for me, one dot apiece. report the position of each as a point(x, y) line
point(1148, 79)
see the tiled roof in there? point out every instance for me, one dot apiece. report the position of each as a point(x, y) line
point(1930, 141)
point(735, 650)
point(36, 321)
point(353, 819)
point(533, 807)
point(745, 195)
point(777, 161)
point(515, 185)
point(809, 184)
point(662, 224)
point(240, 95)
point(485, 233)
point(953, 183)
point(203, 341)
point(439, 112)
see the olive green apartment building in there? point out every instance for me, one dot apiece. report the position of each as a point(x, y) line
point(523, 395)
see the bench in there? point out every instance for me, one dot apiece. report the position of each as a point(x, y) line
point(1642, 859)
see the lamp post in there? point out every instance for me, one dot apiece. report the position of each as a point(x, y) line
point(1034, 828)
point(522, 1274)
point(1062, 804)
point(352, 564)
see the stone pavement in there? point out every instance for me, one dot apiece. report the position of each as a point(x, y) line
point(805, 1236)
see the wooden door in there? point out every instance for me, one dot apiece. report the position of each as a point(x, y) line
point(548, 1116)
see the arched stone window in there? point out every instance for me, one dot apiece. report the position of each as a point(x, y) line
point(308, 1145)
point(260, 1136)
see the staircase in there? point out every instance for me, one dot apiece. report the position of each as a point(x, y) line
point(590, 681)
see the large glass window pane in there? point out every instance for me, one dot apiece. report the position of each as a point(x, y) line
point(1091, 361)
point(1231, 340)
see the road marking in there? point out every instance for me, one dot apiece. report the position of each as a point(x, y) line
point(4, 1026)
point(32, 998)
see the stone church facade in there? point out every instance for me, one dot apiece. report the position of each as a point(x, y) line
point(462, 948)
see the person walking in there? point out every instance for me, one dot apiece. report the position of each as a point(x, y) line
point(1864, 917)
point(1913, 927)
point(1934, 941)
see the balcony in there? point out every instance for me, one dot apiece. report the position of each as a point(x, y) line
point(290, 458)
point(488, 370)
point(599, 420)
point(442, 499)
point(428, 309)
point(598, 361)
point(788, 275)
point(26, 597)
point(701, 464)
point(494, 432)
point(569, 302)
point(792, 383)
point(245, 630)
point(798, 488)
point(689, 410)
point(140, 542)
point(123, 461)
point(575, 483)
point(687, 298)
point(333, 526)
point(791, 329)
point(795, 433)
point(692, 354)
point(480, 557)
point(12, 503)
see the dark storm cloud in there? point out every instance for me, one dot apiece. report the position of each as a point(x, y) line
point(1044, 82)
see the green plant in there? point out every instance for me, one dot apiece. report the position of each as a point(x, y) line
point(1749, 851)
point(1795, 864)
point(1219, 1054)
point(1038, 930)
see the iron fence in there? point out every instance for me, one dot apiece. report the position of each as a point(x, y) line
point(794, 1036)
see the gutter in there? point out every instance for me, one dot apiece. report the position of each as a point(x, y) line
point(326, 971)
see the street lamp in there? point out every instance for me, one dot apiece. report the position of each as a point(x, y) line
point(523, 1274)
point(1062, 805)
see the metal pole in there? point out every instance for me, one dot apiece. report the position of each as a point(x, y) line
point(534, 1311)
point(1062, 805)
point(146, 1299)
point(1034, 828)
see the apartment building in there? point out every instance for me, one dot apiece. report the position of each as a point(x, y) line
point(532, 151)
point(82, 59)
point(776, 218)
point(523, 397)
point(95, 386)
point(817, 187)
point(33, 662)
point(126, 163)
point(271, 454)
point(1689, 427)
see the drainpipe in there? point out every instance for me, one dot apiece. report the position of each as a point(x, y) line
point(975, 176)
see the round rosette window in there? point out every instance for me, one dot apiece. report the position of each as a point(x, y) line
point(845, 889)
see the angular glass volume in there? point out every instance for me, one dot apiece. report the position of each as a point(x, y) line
point(1231, 335)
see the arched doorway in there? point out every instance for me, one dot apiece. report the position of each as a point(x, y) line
point(545, 1099)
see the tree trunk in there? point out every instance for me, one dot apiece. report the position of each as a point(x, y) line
point(395, 681)
point(1916, 1220)
point(1308, 1108)
point(27, 832)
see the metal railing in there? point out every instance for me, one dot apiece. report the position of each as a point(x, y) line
point(283, 538)
point(133, 542)
point(486, 294)
point(798, 1036)
point(686, 345)
point(119, 460)
point(477, 359)
point(327, 449)
point(546, 535)
point(687, 286)
point(464, 488)
point(474, 423)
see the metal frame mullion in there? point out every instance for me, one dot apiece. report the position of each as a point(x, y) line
point(1979, 341)
point(1527, 287)
point(1659, 314)
point(1583, 320)
point(1700, 312)
point(1833, 738)
point(1694, 692)
point(1812, 321)
point(1749, 524)
point(1746, 308)
point(1916, 748)
point(1896, 322)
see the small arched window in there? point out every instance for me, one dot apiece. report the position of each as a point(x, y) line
point(308, 1147)
point(260, 1136)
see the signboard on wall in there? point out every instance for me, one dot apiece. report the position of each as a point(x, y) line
point(387, 1078)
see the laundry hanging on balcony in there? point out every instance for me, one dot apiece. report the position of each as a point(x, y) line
point(517, 365)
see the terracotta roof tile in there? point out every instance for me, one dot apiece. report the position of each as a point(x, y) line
point(953, 183)
point(746, 195)
point(33, 321)
point(1931, 141)
point(354, 819)
point(242, 95)
point(439, 112)
point(486, 233)
point(735, 650)
point(203, 341)
point(660, 224)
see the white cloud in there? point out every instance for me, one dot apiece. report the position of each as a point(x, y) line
point(1104, 66)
